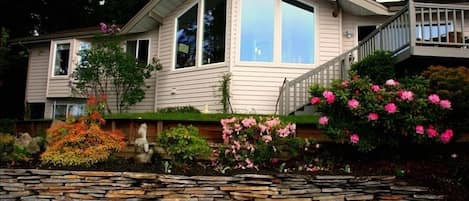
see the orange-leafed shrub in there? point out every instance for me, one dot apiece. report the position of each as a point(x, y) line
point(81, 142)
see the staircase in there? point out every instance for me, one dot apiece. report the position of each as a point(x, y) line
point(399, 35)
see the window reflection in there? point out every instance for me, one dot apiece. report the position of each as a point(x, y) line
point(297, 33)
point(186, 37)
point(214, 31)
point(62, 54)
point(257, 30)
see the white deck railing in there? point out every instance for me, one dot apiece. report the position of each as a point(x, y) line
point(407, 28)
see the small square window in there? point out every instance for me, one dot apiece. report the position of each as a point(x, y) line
point(139, 49)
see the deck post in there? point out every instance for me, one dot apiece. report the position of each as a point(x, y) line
point(412, 24)
point(281, 101)
point(287, 97)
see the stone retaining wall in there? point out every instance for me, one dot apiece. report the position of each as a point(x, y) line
point(48, 185)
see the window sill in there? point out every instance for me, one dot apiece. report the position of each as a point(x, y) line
point(271, 64)
point(200, 68)
point(60, 77)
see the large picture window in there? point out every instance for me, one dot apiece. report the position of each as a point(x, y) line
point(211, 48)
point(293, 32)
point(139, 49)
point(186, 38)
point(62, 59)
point(257, 30)
point(297, 33)
point(214, 31)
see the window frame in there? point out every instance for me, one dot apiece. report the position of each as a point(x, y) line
point(277, 42)
point(199, 37)
point(136, 47)
point(71, 51)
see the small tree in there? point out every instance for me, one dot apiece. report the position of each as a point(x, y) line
point(106, 66)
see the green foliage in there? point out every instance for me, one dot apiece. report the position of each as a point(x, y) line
point(378, 66)
point(9, 151)
point(183, 144)
point(453, 84)
point(224, 89)
point(179, 109)
point(7, 126)
point(106, 66)
point(383, 115)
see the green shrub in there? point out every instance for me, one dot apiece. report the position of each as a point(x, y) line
point(179, 109)
point(183, 144)
point(378, 66)
point(453, 84)
point(7, 126)
point(9, 152)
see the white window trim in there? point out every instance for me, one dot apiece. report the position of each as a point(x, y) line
point(149, 58)
point(277, 46)
point(70, 57)
point(199, 36)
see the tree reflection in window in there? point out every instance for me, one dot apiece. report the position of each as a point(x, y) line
point(214, 31)
point(62, 54)
point(186, 37)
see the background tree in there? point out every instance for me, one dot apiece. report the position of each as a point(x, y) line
point(107, 67)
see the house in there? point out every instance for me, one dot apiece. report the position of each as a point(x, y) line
point(262, 43)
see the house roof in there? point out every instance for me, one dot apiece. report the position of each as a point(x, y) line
point(151, 15)
point(364, 7)
point(70, 33)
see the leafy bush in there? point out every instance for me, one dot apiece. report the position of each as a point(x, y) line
point(180, 109)
point(81, 142)
point(9, 152)
point(453, 84)
point(370, 115)
point(378, 66)
point(183, 144)
point(7, 126)
point(250, 143)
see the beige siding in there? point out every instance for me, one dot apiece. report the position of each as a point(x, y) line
point(37, 74)
point(59, 88)
point(255, 87)
point(148, 103)
point(351, 22)
point(195, 86)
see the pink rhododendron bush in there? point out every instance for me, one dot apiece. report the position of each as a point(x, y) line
point(253, 143)
point(369, 115)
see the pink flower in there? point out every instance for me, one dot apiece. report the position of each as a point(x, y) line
point(283, 132)
point(391, 82)
point(248, 122)
point(446, 136)
point(419, 129)
point(375, 88)
point(390, 108)
point(354, 138)
point(353, 104)
point(407, 95)
point(103, 27)
point(263, 128)
point(323, 120)
point(434, 98)
point(315, 100)
point(344, 84)
point(373, 116)
point(237, 127)
point(329, 96)
point(445, 104)
point(267, 138)
point(291, 127)
point(272, 122)
point(431, 132)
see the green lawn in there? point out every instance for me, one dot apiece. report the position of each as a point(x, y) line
point(307, 119)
